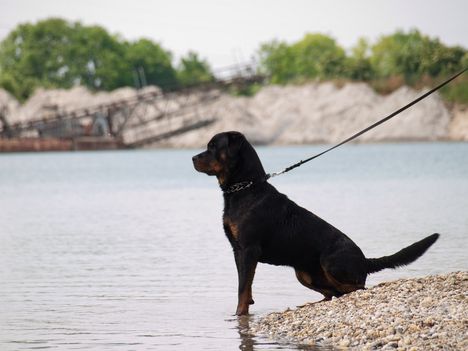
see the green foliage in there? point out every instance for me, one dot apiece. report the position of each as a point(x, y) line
point(156, 63)
point(318, 56)
point(315, 56)
point(400, 58)
point(58, 54)
point(54, 53)
point(193, 71)
point(277, 61)
point(457, 91)
point(94, 59)
point(245, 90)
point(413, 55)
point(358, 65)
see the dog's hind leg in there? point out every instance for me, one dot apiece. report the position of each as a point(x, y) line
point(315, 283)
point(344, 274)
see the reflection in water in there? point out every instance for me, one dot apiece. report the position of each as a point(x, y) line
point(247, 340)
point(251, 342)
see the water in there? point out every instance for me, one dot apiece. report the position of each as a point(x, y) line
point(125, 250)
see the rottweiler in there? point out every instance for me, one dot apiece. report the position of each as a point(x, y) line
point(263, 225)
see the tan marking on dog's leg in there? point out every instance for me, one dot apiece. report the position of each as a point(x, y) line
point(343, 288)
point(306, 280)
point(245, 295)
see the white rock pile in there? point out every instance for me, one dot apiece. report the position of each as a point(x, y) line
point(63, 100)
point(294, 114)
point(326, 113)
point(428, 313)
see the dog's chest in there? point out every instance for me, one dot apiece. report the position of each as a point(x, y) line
point(231, 227)
point(237, 217)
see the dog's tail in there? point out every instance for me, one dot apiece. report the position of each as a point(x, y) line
point(403, 257)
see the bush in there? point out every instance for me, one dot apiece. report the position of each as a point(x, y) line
point(414, 55)
point(400, 58)
point(315, 56)
point(193, 71)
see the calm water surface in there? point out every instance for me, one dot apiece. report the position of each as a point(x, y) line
point(125, 250)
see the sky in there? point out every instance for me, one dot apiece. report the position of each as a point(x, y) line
point(229, 32)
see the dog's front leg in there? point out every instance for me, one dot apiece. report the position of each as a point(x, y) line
point(236, 258)
point(247, 262)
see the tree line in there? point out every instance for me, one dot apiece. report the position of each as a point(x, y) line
point(55, 53)
point(410, 58)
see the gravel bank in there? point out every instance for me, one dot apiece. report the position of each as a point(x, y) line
point(428, 313)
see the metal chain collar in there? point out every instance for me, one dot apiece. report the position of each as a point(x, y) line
point(237, 187)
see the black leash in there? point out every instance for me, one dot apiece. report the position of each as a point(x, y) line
point(385, 119)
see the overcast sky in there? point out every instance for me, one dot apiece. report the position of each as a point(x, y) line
point(226, 32)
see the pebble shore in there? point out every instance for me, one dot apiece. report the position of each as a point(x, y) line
point(429, 313)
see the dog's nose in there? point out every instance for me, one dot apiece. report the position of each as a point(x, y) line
point(194, 158)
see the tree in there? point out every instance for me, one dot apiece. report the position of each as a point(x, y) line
point(318, 56)
point(314, 56)
point(30, 56)
point(156, 63)
point(193, 71)
point(96, 59)
point(413, 55)
point(57, 54)
point(277, 61)
point(358, 65)
point(54, 53)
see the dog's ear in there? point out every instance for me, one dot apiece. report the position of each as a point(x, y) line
point(235, 142)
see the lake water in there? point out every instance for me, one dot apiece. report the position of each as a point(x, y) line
point(125, 250)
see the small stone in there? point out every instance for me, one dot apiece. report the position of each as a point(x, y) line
point(390, 346)
point(365, 295)
point(426, 302)
point(344, 343)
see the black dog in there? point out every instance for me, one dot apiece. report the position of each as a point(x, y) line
point(263, 225)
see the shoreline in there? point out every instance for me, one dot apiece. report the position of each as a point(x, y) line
point(37, 145)
point(429, 313)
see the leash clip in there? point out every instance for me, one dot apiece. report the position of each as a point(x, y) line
point(274, 174)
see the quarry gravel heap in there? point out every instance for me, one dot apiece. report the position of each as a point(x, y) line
point(428, 313)
point(282, 115)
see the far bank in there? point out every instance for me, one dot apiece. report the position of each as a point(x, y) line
point(310, 113)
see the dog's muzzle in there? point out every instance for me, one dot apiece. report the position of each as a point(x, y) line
point(198, 162)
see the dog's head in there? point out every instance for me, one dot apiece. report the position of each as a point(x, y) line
point(231, 158)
